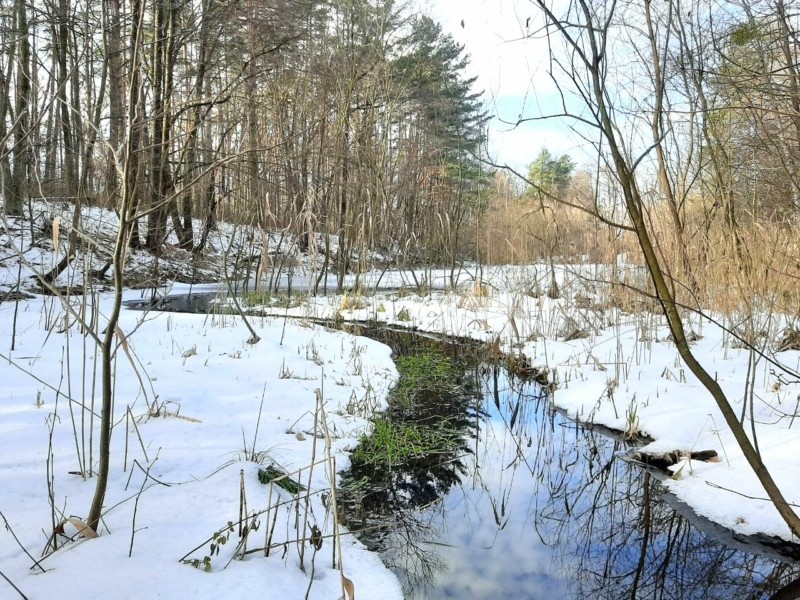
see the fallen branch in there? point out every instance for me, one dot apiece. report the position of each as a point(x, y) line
point(667, 459)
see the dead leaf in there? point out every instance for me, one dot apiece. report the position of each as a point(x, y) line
point(56, 226)
point(83, 528)
point(514, 328)
point(300, 437)
point(123, 342)
point(349, 589)
point(316, 537)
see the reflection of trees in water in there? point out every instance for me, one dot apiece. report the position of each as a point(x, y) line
point(609, 535)
point(393, 512)
point(409, 550)
point(620, 542)
point(613, 538)
point(391, 507)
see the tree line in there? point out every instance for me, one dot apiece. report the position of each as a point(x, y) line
point(352, 119)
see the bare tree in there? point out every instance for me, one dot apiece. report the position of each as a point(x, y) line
point(127, 215)
point(587, 30)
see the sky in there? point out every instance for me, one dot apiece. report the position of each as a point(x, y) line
point(512, 72)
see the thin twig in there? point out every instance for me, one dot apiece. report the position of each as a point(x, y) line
point(16, 539)
point(11, 583)
point(719, 487)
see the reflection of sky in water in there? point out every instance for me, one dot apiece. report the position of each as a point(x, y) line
point(489, 542)
point(486, 560)
point(548, 513)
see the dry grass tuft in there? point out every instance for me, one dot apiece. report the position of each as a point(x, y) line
point(754, 271)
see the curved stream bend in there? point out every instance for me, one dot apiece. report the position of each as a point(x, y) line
point(533, 505)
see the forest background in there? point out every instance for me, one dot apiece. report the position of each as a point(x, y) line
point(353, 130)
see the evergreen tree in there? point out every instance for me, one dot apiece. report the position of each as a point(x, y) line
point(550, 175)
point(445, 125)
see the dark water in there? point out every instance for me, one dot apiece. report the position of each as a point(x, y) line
point(533, 506)
point(205, 299)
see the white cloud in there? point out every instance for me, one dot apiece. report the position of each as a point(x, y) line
point(511, 67)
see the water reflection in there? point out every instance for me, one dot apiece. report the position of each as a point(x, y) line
point(394, 504)
point(532, 506)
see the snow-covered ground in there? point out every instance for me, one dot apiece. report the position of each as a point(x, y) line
point(626, 374)
point(225, 409)
point(198, 411)
point(271, 257)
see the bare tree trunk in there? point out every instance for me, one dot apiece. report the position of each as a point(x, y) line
point(656, 57)
point(191, 168)
point(18, 188)
point(161, 180)
point(209, 191)
point(344, 183)
point(5, 95)
point(113, 37)
point(253, 176)
point(61, 39)
point(127, 216)
point(51, 134)
point(70, 164)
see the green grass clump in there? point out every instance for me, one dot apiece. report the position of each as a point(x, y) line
point(257, 297)
point(399, 443)
point(426, 376)
point(272, 299)
point(419, 424)
point(280, 478)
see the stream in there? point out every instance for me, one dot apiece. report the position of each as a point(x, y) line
point(525, 503)
point(534, 506)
